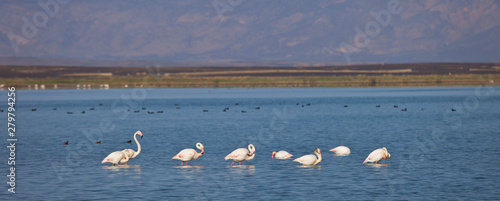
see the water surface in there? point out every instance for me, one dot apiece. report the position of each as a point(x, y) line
point(437, 154)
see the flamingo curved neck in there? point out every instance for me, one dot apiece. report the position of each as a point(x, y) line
point(319, 158)
point(138, 146)
point(250, 157)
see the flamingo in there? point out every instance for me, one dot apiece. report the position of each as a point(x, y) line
point(341, 150)
point(130, 152)
point(126, 159)
point(310, 160)
point(241, 154)
point(377, 155)
point(281, 155)
point(115, 157)
point(189, 154)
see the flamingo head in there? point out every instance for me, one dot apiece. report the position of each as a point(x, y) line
point(333, 150)
point(200, 146)
point(387, 155)
point(105, 160)
point(274, 153)
point(139, 133)
point(318, 151)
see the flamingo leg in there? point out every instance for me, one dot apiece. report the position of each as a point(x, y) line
point(240, 162)
point(186, 163)
point(182, 163)
point(233, 162)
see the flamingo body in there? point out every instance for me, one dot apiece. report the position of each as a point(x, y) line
point(241, 154)
point(115, 157)
point(127, 154)
point(282, 155)
point(189, 154)
point(377, 155)
point(341, 150)
point(310, 160)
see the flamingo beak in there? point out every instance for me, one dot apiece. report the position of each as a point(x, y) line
point(333, 150)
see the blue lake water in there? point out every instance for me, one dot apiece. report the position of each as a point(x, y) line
point(437, 154)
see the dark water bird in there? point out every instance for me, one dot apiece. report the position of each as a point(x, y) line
point(34, 109)
point(136, 111)
point(224, 110)
point(100, 104)
point(176, 104)
point(1, 110)
point(83, 112)
point(257, 108)
point(149, 112)
point(346, 106)
point(130, 141)
point(243, 111)
point(128, 110)
point(205, 110)
point(453, 110)
point(377, 106)
point(91, 108)
point(54, 108)
point(66, 143)
point(69, 112)
point(178, 108)
point(309, 104)
point(404, 110)
point(302, 105)
point(422, 109)
point(395, 106)
point(143, 108)
point(98, 142)
point(237, 104)
point(159, 111)
point(297, 104)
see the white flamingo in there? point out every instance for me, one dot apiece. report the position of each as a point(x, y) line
point(310, 160)
point(377, 155)
point(115, 157)
point(281, 155)
point(130, 152)
point(241, 154)
point(341, 150)
point(189, 154)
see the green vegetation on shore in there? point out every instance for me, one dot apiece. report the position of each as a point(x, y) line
point(153, 81)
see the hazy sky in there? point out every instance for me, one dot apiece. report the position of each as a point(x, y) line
point(257, 31)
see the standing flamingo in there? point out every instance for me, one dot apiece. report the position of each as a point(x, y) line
point(130, 152)
point(189, 154)
point(377, 155)
point(241, 154)
point(115, 157)
point(310, 160)
point(341, 150)
point(281, 155)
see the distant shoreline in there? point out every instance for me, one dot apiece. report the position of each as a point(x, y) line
point(252, 82)
point(366, 75)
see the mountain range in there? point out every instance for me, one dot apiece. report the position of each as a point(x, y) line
point(247, 33)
